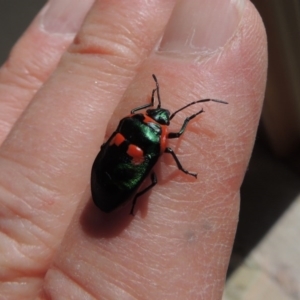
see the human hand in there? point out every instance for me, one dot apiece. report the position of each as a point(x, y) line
point(55, 244)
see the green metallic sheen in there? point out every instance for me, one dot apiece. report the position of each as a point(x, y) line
point(160, 115)
point(115, 177)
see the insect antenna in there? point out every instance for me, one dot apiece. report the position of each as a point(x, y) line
point(157, 91)
point(195, 102)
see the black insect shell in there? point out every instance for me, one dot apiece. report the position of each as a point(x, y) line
point(117, 171)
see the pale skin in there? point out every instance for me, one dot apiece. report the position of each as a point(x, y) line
point(54, 243)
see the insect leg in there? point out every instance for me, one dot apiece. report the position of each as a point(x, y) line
point(153, 183)
point(152, 98)
point(175, 135)
point(180, 167)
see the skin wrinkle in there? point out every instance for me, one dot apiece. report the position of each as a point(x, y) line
point(24, 283)
point(8, 159)
point(13, 76)
point(19, 212)
point(110, 279)
point(71, 279)
point(21, 270)
point(13, 106)
point(43, 164)
point(86, 67)
point(149, 262)
point(129, 42)
point(97, 89)
point(49, 49)
point(33, 235)
point(25, 250)
point(133, 274)
point(84, 64)
point(30, 174)
point(43, 192)
point(49, 246)
point(28, 250)
point(112, 48)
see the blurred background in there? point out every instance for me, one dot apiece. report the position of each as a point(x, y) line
point(265, 262)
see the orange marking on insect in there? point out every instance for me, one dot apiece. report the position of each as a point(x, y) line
point(147, 119)
point(164, 135)
point(136, 153)
point(118, 139)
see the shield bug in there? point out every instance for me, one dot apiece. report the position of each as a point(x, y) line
point(131, 152)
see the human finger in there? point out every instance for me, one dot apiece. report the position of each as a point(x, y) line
point(45, 161)
point(35, 56)
point(179, 243)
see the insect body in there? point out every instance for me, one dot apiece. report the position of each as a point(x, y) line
point(129, 155)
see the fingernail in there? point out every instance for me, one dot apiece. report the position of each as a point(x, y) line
point(201, 25)
point(64, 16)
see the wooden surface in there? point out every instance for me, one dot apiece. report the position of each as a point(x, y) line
point(272, 270)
